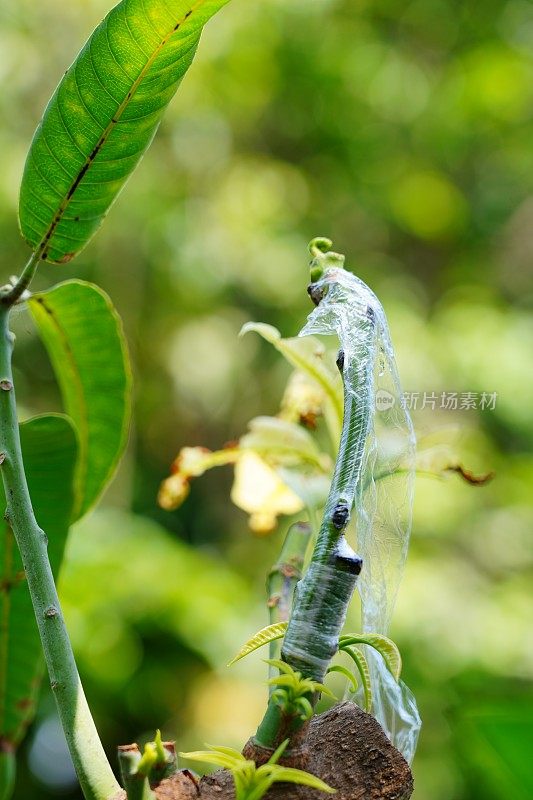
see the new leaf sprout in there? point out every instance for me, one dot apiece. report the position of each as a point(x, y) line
point(293, 691)
point(253, 782)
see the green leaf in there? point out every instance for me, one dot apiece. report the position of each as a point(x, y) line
point(83, 335)
point(251, 781)
point(281, 680)
point(350, 677)
point(306, 709)
point(214, 756)
point(229, 751)
point(262, 637)
point(492, 736)
point(102, 117)
point(276, 755)
point(49, 449)
point(161, 753)
point(298, 776)
point(283, 667)
point(385, 646)
point(364, 671)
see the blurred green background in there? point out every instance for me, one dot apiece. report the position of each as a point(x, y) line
point(402, 130)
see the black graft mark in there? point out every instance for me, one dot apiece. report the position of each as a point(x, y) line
point(315, 293)
point(352, 564)
point(340, 516)
point(346, 559)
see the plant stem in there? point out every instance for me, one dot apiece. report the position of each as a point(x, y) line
point(322, 597)
point(12, 293)
point(94, 772)
point(282, 580)
point(136, 784)
point(7, 771)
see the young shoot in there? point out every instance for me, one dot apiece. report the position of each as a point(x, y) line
point(141, 772)
point(292, 691)
point(253, 782)
point(352, 644)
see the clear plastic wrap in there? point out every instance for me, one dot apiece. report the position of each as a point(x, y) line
point(381, 482)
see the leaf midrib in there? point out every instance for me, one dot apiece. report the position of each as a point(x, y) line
point(41, 247)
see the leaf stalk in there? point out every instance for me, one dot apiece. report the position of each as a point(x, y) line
point(12, 292)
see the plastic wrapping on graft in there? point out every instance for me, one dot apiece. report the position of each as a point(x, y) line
point(313, 634)
point(382, 483)
point(393, 705)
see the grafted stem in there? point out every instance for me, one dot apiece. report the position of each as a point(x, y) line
point(94, 772)
point(322, 597)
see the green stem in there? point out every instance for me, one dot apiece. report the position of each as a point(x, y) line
point(282, 580)
point(322, 597)
point(8, 768)
point(136, 784)
point(94, 772)
point(13, 292)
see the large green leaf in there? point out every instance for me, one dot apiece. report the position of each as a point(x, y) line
point(83, 335)
point(49, 449)
point(493, 735)
point(102, 117)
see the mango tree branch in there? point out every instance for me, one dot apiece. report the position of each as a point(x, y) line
point(322, 597)
point(94, 772)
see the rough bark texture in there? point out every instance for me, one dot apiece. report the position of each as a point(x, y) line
point(178, 787)
point(347, 748)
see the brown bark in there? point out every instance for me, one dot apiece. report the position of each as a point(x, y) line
point(346, 748)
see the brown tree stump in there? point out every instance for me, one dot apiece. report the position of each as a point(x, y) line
point(346, 748)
